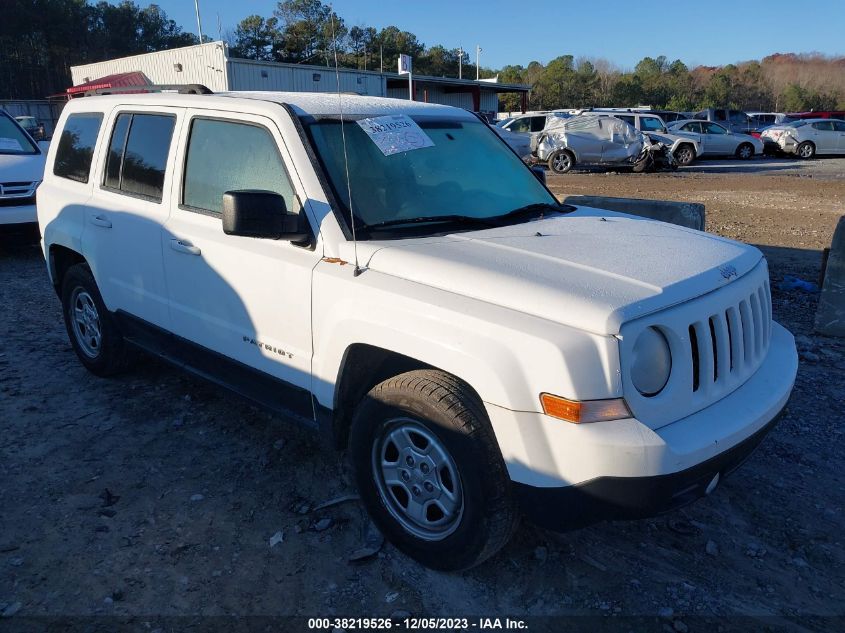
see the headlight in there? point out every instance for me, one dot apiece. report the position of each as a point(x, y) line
point(651, 363)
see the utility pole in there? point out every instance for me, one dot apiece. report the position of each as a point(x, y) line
point(460, 61)
point(381, 57)
point(477, 62)
point(199, 22)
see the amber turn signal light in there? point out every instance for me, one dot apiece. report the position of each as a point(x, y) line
point(586, 411)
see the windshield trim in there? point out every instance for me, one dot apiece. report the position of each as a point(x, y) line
point(342, 214)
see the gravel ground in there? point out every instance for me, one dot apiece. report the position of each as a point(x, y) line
point(153, 494)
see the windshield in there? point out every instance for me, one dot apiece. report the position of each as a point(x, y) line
point(13, 140)
point(797, 123)
point(466, 172)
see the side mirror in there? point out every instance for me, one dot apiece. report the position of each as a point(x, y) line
point(262, 214)
point(539, 173)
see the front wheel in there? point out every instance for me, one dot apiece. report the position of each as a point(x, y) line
point(806, 150)
point(430, 472)
point(561, 162)
point(745, 151)
point(684, 155)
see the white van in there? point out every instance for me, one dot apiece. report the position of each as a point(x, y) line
point(21, 171)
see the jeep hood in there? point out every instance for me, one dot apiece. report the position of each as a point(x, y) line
point(591, 269)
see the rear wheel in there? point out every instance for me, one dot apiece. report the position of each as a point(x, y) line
point(93, 333)
point(430, 472)
point(745, 151)
point(561, 161)
point(806, 150)
point(685, 154)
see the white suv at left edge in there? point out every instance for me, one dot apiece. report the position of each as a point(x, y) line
point(21, 171)
point(391, 273)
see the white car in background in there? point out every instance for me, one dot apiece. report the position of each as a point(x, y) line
point(21, 171)
point(808, 137)
point(717, 140)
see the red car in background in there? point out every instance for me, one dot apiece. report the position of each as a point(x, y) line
point(822, 114)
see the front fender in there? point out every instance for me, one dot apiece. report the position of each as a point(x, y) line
point(508, 357)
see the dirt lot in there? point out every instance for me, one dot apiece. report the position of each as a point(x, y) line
point(154, 494)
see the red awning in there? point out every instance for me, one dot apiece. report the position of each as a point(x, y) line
point(120, 80)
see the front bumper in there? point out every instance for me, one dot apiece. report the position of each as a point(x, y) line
point(567, 475)
point(17, 213)
point(612, 498)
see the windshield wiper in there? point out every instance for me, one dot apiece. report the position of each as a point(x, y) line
point(534, 209)
point(438, 219)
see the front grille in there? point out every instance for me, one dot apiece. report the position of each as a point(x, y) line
point(13, 190)
point(728, 345)
point(717, 342)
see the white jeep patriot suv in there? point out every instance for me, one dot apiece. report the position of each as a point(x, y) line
point(390, 272)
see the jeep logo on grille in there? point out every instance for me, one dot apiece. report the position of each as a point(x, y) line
point(727, 271)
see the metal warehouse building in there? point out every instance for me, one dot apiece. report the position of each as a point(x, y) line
point(209, 64)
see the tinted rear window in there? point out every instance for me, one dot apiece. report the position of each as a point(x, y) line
point(138, 153)
point(76, 146)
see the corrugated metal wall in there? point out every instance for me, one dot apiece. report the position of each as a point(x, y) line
point(252, 75)
point(204, 64)
point(489, 99)
point(208, 64)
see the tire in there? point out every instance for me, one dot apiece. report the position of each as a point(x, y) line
point(561, 161)
point(436, 431)
point(685, 154)
point(805, 150)
point(95, 338)
point(745, 151)
point(642, 165)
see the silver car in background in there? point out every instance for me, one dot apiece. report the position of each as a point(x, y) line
point(716, 140)
point(807, 137)
point(589, 139)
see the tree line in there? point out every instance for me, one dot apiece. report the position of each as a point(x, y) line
point(41, 39)
point(777, 83)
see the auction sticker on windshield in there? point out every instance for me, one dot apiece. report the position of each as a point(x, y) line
point(395, 133)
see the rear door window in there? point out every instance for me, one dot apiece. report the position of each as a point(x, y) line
point(824, 126)
point(138, 152)
point(76, 146)
point(538, 123)
point(839, 126)
point(713, 128)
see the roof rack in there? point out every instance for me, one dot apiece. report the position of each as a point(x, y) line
point(182, 89)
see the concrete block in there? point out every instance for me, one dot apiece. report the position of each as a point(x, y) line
point(688, 214)
point(830, 315)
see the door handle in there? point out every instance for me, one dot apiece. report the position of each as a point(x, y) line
point(101, 220)
point(181, 246)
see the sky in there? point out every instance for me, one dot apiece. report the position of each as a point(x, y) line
point(711, 33)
